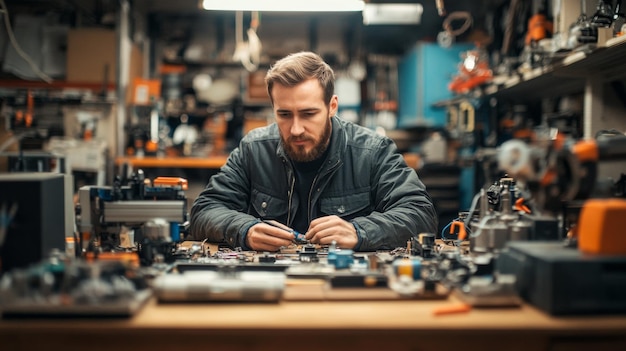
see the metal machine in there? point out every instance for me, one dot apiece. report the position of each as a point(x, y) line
point(113, 218)
point(584, 273)
point(545, 186)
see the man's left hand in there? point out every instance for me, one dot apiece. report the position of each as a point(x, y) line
point(325, 230)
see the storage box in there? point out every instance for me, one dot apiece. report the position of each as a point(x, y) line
point(92, 57)
point(600, 227)
point(257, 90)
point(146, 91)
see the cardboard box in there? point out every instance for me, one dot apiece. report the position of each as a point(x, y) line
point(92, 57)
point(146, 91)
point(257, 91)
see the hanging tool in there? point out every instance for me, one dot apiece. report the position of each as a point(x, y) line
point(539, 27)
point(248, 53)
point(447, 37)
point(441, 10)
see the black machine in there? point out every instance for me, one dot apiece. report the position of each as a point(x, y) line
point(562, 280)
point(37, 215)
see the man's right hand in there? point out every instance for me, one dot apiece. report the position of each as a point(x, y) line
point(265, 237)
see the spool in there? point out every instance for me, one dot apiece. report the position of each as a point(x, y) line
point(408, 267)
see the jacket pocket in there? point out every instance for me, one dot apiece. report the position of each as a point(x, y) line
point(268, 206)
point(347, 206)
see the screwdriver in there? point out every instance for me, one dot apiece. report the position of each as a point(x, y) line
point(298, 237)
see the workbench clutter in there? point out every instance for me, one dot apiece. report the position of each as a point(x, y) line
point(130, 245)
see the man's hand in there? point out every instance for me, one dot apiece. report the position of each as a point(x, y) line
point(264, 237)
point(324, 230)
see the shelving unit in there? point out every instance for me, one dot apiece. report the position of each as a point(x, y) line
point(590, 73)
point(54, 85)
point(568, 76)
point(571, 75)
point(58, 91)
point(539, 83)
point(210, 162)
point(579, 72)
point(608, 61)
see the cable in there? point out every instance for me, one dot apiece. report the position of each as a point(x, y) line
point(5, 12)
point(457, 15)
point(470, 213)
point(447, 227)
point(445, 230)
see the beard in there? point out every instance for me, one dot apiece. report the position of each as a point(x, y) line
point(299, 153)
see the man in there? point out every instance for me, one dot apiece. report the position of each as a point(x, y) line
point(314, 173)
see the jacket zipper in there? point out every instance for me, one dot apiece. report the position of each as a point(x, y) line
point(313, 185)
point(308, 203)
point(293, 182)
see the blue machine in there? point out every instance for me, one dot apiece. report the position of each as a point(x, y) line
point(424, 74)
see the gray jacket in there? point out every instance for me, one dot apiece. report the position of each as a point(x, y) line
point(364, 180)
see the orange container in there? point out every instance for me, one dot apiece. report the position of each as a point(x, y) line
point(601, 225)
point(171, 181)
point(146, 91)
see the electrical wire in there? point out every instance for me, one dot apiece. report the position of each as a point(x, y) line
point(5, 12)
point(472, 210)
point(446, 229)
point(457, 15)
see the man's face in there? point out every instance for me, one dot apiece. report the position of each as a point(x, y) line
point(303, 118)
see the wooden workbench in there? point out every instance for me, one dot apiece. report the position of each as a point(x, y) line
point(205, 162)
point(209, 162)
point(316, 325)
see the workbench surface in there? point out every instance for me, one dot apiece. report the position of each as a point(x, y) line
point(314, 325)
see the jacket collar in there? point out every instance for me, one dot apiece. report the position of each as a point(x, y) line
point(338, 141)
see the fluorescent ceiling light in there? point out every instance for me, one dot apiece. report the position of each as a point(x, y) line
point(392, 14)
point(284, 5)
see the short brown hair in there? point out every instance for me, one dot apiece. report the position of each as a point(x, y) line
point(294, 69)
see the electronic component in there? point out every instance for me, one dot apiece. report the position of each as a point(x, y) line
point(151, 214)
point(423, 245)
point(308, 254)
point(487, 291)
point(206, 286)
point(358, 280)
point(410, 267)
point(61, 287)
point(267, 258)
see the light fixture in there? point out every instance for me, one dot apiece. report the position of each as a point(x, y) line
point(392, 14)
point(284, 5)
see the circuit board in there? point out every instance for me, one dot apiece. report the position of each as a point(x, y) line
point(300, 272)
point(62, 287)
point(123, 307)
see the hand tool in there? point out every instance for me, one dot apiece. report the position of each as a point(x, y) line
point(298, 237)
